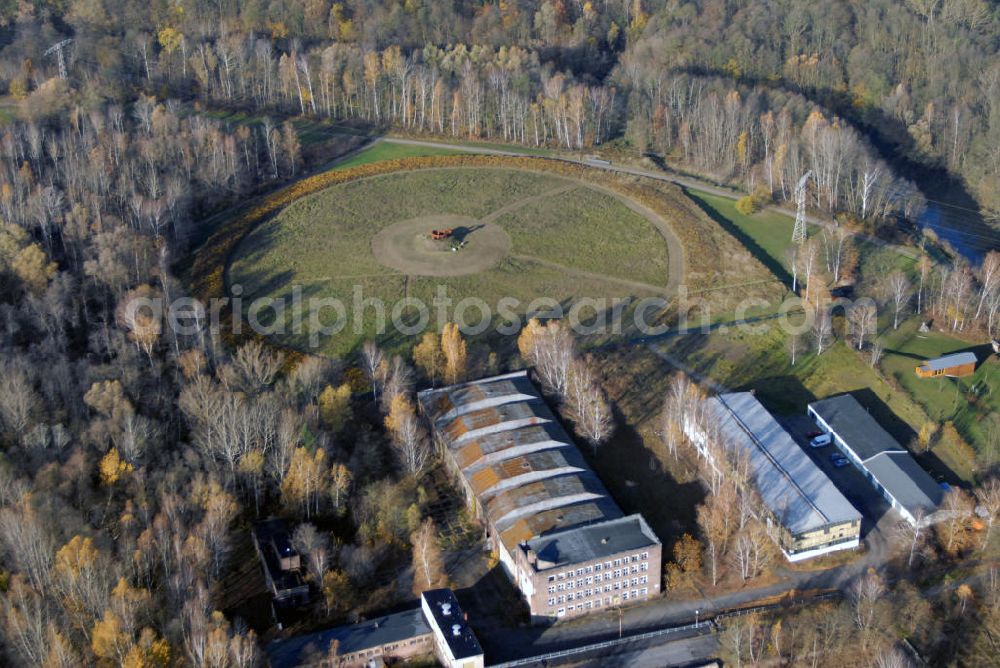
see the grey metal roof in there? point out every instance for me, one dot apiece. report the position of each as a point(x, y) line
point(855, 426)
point(794, 489)
point(906, 481)
point(955, 359)
point(369, 634)
point(448, 615)
point(593, 541)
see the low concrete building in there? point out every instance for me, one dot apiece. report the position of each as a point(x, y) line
point(887, 465)
point(556, 532)
point(438, 628)
point(952, 366)
point(280, 562)
point(805, 513)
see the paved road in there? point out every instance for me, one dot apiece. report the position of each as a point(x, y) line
point(654, 653)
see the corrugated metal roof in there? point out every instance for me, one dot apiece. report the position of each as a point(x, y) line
point(544, 522)
point(794, 489)
point(490, 448)
point(534, 497)
point(521, 464)
point(955, 359)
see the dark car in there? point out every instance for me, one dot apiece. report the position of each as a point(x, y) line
point(813, 434)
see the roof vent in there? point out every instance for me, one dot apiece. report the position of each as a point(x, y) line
point(604, 541)
point(446, 609)
point(456, 630)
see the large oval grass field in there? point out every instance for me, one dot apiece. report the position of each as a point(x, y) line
point(564, 240)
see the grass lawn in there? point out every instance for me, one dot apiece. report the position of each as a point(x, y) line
point(389, 151)
point(767, 234)
point(972, 403)
point(760, 361)
point(551, 228)
point(486, 145)
point(322, 244)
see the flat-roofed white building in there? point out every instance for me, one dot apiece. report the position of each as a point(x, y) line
point(887, 465)
point(805, 512)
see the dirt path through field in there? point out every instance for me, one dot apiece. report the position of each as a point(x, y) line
point(515, 205)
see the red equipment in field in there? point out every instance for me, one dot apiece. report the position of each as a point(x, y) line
point(438, 235)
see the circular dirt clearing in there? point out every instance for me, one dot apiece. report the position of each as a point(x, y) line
point(407, 246)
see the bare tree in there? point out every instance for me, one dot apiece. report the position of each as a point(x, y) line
point(862, 319)
point(989, 280)
point(587, 406)
point(18, 400)
point(256, 366)
point(988, 498)
point(864, 595)
point(898, 288)
point(372, 359)
point(822, 329)
point(875, 353)
point(315, 547)
point(550, 349)
point(892, 657)
point(913, 534)
point(408, 437)
point(794, 343)
point(428, 562)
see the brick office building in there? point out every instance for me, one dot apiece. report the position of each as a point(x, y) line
point(555, 529)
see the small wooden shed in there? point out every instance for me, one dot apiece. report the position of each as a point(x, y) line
point(954, 366)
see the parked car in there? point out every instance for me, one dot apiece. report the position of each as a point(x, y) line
point(820, 441)
point(813, 434)
point(838, 460)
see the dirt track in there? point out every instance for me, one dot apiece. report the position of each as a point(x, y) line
point(404, 246)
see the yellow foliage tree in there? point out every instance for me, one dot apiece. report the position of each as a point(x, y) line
point(304, 482)
point(169, 39)
point(335, 406)
point(528, 338)
point(428, 356)
point(149, 652)
point(112, 467)
point(455, 353)
point(32, 266)
point(107, 640)
point(337, 590)
point(400, 408)
point(75, 557)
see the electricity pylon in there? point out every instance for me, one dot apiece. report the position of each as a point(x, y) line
point(57, 48)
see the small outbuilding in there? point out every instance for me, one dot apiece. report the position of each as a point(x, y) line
point(954, 366)
point(280, 562)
